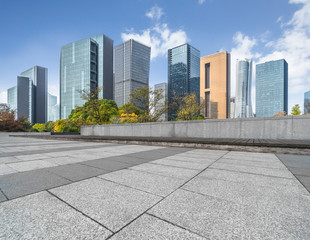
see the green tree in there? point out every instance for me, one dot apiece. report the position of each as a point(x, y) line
point(151, 103)
point(39, 127)
point(8, 121)
point(129, 108)
point(189, 108)
point(296, 110)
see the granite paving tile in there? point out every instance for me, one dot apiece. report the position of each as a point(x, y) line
point(255, 170)
point(149, 227)
point(25, 183)
point(111, 204)
point(215, 218)
point(30, 165)
point(168, 171)
point(76, 172)
point(183, 164)
point(107, 164)
point(43, 216)
point(148, 182)
point(274, 164)
point(2, 197)
point(5, 169)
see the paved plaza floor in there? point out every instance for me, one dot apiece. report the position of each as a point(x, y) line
point(56, 189)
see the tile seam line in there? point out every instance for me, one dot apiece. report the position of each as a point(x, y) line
point(250, 173)
point(60, 199)
point(248, 165)
point(176, 225)
point(7, 199)
point(146, 211)
point(295, 176)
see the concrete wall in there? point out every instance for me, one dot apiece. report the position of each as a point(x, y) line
point(290, 127)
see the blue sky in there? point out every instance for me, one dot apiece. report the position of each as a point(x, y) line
point(32, 33)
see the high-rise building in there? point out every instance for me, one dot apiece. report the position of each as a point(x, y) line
point(12, 98)
point(164, 101)
point(271, 88)
point(183, 74)
point(53, 108)
point(85, 65)
point(243, 103)
point(132, 67)
point(29, 97)
point(307, 102)
point(215, 85)
point(232, 107)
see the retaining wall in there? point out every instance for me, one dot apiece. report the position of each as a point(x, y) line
point(289, 127)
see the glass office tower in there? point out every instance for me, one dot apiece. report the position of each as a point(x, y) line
point(183, 74)
point(164, 100)
point(307, 102)
point(132, 68)
point(271, 88)
point(12, 98)
point(243, 104)
point(53, 108)
point(85, 65)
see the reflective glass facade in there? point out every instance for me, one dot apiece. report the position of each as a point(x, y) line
point(12, 98)
point(53, 108)
point(307, 103)
point(243, 104)
point(85, 65)
point(271, 88)
point(183, 74)
point(164, 100)
point(132, 68)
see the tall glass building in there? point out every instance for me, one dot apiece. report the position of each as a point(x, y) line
point(271, 88)
point(53, 108)
point(12, 98)
point(243, 103)
point(132, 68)
point(183, 74)
point(85, 65)
point(29, 97)
point(307, 102)
point(164, 100)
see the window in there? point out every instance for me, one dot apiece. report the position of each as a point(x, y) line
point(207, 105)
point(207, 75)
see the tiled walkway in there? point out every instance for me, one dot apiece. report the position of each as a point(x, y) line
point(79, 190)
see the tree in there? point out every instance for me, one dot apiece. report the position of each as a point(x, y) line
point(280, 114)
point(296, 110)
point(189, 108)
point(151, 103)
point(8, 121)
point(94, 110)
point(129, 108)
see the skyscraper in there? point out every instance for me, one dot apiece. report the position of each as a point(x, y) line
point(164, 100)
point(132, 67)
point(215, 85)
point(85, 65)
point(53, 108)
point(12, 98)
point(29, 97)
point(183, 74)
point(307, 102)
point(271, 88)
point(243, 103)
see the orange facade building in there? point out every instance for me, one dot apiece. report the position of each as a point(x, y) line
point(215, 85)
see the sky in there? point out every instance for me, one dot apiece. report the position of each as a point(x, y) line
point(33, 32)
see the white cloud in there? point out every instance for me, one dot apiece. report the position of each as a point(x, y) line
point(3, 97)
point(159, 37)
point(201, 1)
point(155, 13)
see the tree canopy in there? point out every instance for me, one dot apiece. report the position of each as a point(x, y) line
point(296, 110)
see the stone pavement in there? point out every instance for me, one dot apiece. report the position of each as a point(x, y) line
point(54, 189)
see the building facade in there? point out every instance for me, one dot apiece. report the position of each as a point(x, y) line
point(215, 85)
point(243, 102)
point(164, 101)
point(307, 102)
point(85, 65)
point(53, 108)
point(271, 88)
point(12, 98)
point(183, 75)
point(132, 68)
point(29, 97)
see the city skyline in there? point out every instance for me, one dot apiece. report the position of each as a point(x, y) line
point(281, 33)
